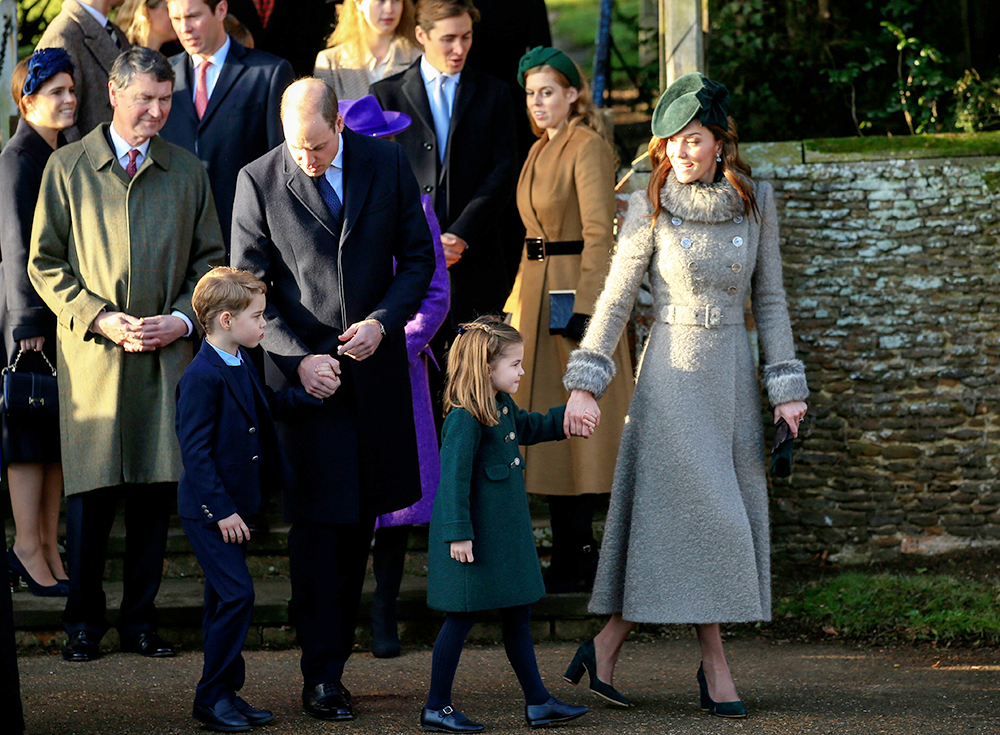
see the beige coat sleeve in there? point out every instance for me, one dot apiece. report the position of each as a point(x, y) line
point(594, 177)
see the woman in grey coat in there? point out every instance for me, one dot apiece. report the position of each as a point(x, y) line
point(687, 538)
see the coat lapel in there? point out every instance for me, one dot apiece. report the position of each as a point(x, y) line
point(304, 189)
point(230, 72)
point(183, 102)
point(416, 93)
point(227, 375)
point(99, 151)
point(96, 38)
point(357, 180)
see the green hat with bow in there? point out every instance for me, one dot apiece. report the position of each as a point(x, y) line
point(551, 57)
point(691, 96)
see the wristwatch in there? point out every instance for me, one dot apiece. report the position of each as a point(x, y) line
point(381, 327)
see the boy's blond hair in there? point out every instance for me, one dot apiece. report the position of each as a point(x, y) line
point(478, 346)
point(224, 289)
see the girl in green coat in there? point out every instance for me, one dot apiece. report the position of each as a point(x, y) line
point(482, 549)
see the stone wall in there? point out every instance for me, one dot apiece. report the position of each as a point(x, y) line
point(893, 276)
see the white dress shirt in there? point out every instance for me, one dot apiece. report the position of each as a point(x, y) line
point(212, 75)
point(335, 174)
point(96, 15)
point(122, 149)
point(231, 360)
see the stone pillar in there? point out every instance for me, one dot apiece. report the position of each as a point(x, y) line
point(8, 60)
point(682, 38)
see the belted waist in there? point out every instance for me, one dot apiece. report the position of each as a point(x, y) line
point(538, 248)
point(710, 317)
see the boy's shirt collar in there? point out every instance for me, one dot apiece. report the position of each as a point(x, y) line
point(231, 360)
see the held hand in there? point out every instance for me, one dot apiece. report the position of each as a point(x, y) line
point(360, 340)
point(580, 403)
point(120, 328)
point(32, 344)
point(234, 530)
point(462, 551)
point(792, 412)
point(454, 248)
point(156, 332)
point(320, 375)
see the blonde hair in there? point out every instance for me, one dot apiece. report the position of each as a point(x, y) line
point(350, 34)
point(224, 289)
point(132, 19)
point(476, 349)
point(581, 112)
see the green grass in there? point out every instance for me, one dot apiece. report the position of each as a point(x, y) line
point(892, 608)
point(944, 144)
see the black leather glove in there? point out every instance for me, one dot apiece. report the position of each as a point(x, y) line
point(576, 327)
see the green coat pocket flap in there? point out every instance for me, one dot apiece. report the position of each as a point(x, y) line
point(498, 472)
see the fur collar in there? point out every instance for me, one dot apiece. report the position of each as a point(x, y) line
point(712, 203)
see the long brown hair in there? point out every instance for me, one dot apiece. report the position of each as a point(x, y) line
point(350, 33)
point(477, 347)
point(731, 164)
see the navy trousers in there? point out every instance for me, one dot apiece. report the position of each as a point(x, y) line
point(89, 517)
point(229, 598)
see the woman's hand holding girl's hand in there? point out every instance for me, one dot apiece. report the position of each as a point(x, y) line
point(792, 412)
point(580, 404)
point(462, 551)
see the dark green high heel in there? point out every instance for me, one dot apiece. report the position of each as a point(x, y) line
point(586, 659)
point(733, 710)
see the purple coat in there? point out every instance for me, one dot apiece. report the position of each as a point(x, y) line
point(419, 330)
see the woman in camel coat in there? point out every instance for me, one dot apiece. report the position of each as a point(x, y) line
point(566, 195)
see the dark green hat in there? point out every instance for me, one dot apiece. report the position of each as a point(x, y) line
point(554, 58)
point(691, 96)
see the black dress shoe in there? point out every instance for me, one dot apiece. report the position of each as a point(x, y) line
point(149, 644)
point(326, 702)
point(254, 716)
point(223, 717)
point(552, 712)
point(448, 719)
point(82, 646)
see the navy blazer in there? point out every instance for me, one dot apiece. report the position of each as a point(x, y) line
point(226, 454)
point(241, 123)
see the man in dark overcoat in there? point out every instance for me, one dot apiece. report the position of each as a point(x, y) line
point(463, 149)
point(321, 219)
point(226, 99)
point(124, 228)
point(292, 29)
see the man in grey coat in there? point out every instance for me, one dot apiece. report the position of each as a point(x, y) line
point(93, 43)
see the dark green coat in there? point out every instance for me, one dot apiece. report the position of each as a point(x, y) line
point(482, 497)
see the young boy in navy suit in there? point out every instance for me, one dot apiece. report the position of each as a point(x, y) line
point(229, 446)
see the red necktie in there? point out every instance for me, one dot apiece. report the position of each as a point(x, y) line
point(131, 168)
point(264, 10)
point(201, 93)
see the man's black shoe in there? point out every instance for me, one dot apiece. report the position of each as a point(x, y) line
point(223, 717)
point(82, 646)
point(149, 644)
point(326, 702)
point(254, 715)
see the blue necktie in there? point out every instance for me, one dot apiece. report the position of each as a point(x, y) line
point(441, 114)
point(330, 197)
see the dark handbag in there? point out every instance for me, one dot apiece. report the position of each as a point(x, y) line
point(26, 393)
point(560, 310)
point(781, 452)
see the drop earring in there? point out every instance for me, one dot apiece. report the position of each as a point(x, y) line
point(718, 158)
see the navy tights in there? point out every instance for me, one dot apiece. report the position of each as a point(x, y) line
point(516, 641)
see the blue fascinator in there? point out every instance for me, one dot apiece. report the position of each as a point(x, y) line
point(44, 64)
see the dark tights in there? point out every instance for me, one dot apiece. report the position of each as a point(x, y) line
point(516, 641)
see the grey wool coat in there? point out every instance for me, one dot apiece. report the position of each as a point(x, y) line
point(687, 536)
point(482, 498)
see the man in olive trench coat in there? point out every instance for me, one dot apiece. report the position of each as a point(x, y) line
point(124, 228)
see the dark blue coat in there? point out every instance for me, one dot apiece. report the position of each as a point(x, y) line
point(227, 454)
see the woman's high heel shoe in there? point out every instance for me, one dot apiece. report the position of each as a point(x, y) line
point(18, 572)
point(586, 659)
point(734, 710)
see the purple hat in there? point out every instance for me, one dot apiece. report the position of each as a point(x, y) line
point(366, 117)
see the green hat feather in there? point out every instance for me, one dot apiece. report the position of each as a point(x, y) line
point(552, 57)
point(691, 96)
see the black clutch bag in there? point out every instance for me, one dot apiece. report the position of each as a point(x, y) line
point(781, 452)
point(560, 310)
point(26, 393)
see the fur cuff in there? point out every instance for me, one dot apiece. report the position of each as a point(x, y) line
point(589, 370)
point(786, 381)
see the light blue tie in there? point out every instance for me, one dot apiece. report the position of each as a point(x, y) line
point(442, 115)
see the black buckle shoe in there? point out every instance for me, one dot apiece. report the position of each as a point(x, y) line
point(222, 717)
point(147, 643)
point(447, 719)
point(326, 702)
point(254, 715)
point(82, 646)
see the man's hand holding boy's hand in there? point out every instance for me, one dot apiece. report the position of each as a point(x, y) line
point(462, 551)
point(234, 530)
point(320, 375)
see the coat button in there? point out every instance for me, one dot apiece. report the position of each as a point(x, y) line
point(204, 507)
point(737, 267)
point(504, 410)
point(512, 436)
point(732, 290)
point(676, 221)
point(686, 242)
point(210, 516)
point(254, 458)
point(516, 462)
point(738, 241)
point(693, 266)
point(428, 188)
point(253, 430)
point(738, 218)
point(428, 147)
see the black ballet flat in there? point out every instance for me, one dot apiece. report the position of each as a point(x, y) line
point(586, 659)
point(733, 710)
